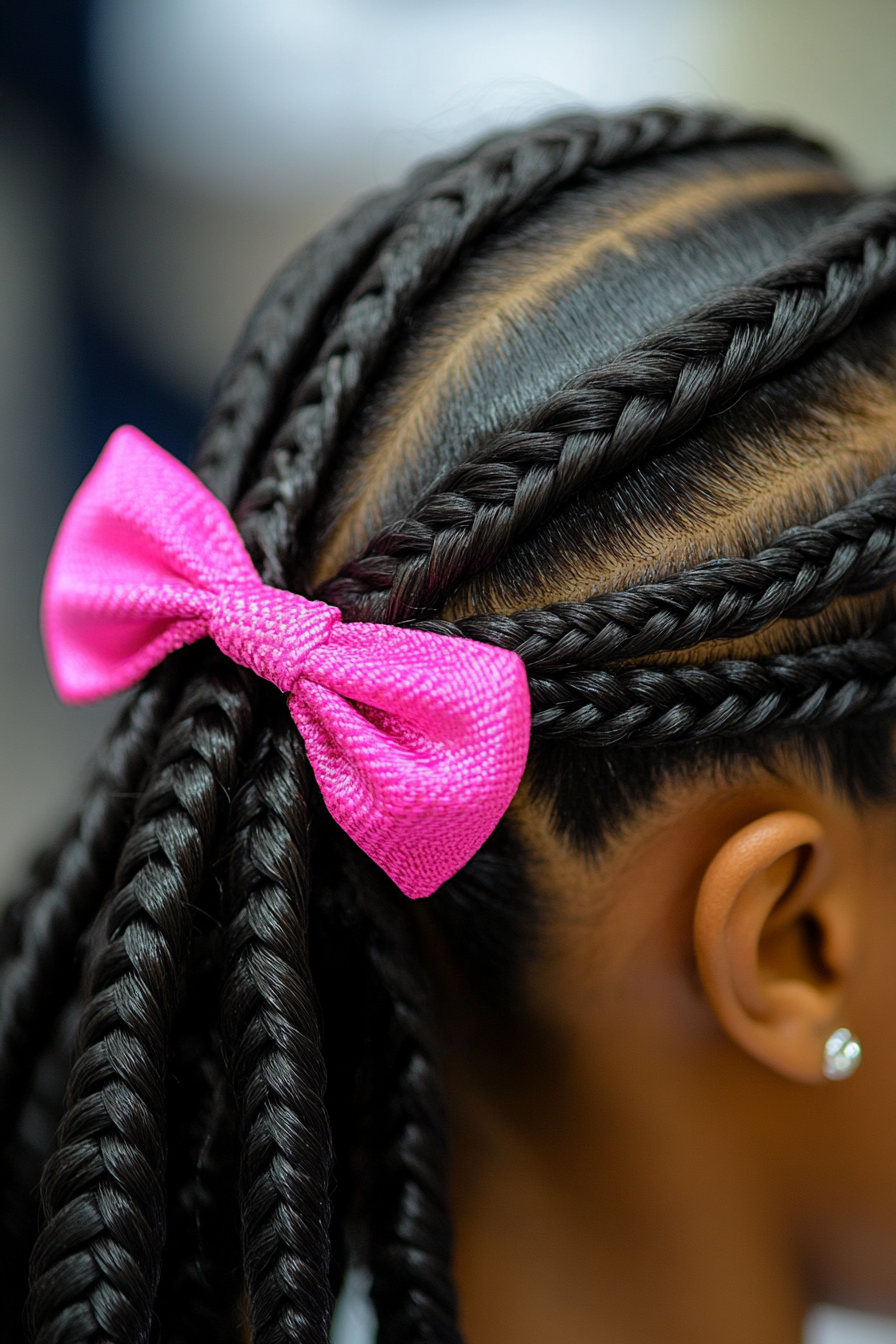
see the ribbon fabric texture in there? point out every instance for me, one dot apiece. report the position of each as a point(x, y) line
point(418, 741)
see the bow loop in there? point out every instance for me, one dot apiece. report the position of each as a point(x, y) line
point(418, 741)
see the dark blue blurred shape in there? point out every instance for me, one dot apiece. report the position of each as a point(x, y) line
point(111, 388)
point(44, 54)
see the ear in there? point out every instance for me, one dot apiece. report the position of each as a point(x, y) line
point(775, 935)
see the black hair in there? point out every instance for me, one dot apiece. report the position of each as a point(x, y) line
point(253, 1099)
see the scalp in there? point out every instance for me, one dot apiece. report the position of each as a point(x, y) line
point(592, 272)
point(589, 275)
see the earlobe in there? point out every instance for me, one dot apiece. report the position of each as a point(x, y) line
point(773, 933)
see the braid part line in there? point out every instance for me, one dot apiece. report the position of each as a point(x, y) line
point(852, 551)
point(607, 419)
point(504, 176)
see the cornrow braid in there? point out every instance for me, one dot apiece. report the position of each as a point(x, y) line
point(39, 976)
point(606, 420)
point(644, 706)
point(852, 551)
point(271, 1032)
point(505, 176)
point(95, 1265)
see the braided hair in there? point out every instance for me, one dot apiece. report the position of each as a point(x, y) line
point(580, 392)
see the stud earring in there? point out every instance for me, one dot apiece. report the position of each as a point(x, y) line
point(842, 1055)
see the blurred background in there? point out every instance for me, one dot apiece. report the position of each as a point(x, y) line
point(160, 158)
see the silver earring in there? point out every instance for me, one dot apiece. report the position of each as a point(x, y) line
point(842, 1055)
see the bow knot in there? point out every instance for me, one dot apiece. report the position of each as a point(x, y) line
point(417, 741)
point(269, 630)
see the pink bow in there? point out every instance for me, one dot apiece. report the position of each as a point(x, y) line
point(418, 741)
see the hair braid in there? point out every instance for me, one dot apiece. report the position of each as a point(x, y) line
point(607, 419)
point(644, 706)
point(505, 175)
point(850, 552)
point(271, 1032)
point(40, 976)
point(95, 1266)
point(409, 1234)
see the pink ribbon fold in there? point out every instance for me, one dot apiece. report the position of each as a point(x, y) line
point(418, 741)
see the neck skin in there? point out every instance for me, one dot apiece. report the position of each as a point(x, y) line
point(623, 1172)
point(625, 1214)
